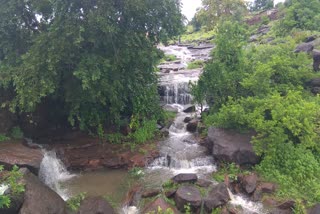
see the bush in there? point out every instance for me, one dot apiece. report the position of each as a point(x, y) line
point(196, 64)
point(74, 202)
point(16, 133)
point(145, 132)
point(3, 138)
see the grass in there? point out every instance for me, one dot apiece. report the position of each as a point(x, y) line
point(197, 36)
point(196, 64)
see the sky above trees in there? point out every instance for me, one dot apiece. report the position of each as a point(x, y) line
point(190, 7)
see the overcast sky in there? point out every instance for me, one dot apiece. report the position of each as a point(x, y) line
point(190, 7)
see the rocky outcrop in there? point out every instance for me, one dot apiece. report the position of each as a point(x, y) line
point(231, 146)
point(189, 109)
point(154, 206)
point(263, 188)
point(271, 14)
point(304, 47)
point(185, 178)
point(315, 209)
point(217, 196)
point(188, 195)
point(17, 154)
point(316, 60)
point(249, 183)
point(192, 125)
point(95, 205)
point(40, 199)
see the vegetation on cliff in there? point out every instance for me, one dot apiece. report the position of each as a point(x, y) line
point(262, 86)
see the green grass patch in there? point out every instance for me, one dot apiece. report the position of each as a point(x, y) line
point(196, 64)
point(197, 36)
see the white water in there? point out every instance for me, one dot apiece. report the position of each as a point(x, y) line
point(129, 210)
point(3, 188)
point(248, 206)
point(53, 172)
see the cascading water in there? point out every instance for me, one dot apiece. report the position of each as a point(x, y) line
point(53, 172)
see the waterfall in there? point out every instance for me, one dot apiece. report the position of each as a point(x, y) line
point(52, 172)
point(249, 207)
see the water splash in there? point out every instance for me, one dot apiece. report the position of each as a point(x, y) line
point(249, 207)
point(53, 172)
point(3, 188)
point(129, 210)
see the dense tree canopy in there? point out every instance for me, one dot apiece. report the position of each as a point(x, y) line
point(94, 58)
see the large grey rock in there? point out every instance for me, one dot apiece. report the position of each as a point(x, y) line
point(40, 199)
point(17, 154)
point(304, 47)
point(95, 205)
point(230, 146)
point(316, 60)
point(188, 195)
point(217, 196)
point(249, 183)
point(315, 209)
point(185, 178)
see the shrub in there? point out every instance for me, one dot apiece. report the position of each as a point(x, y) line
point(196, 64)
point(16, 133)
point(74, 202)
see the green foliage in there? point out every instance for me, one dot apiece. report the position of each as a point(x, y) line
point(146, 131)
point(262, 5)
point(3, 138)
point(13, 180)
point(136, 172)
point(221, 77)
point(198, 36)
point(216, 211)
point(74, 202)
point(160, 211)
point(16, 133)
point(196, 64)
point(169, 58)
point(96, 60)
point(115, 138)
point(187, 208)
point(230, 170)
point(170, 185)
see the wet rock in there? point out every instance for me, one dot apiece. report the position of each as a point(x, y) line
point(17, 154)
point(304, 47)
point(262, 189)
point(165, 132)
point(185, 178)
point(217, 196)
point(249, 183)
point(203, 183)
point(189, 109)
point(133, 196)
point(149, 193)
point(316, 60)
point(170, 193)
point(279, 211)
point(188, 195)
point(315, 209)
point(192, 125)
point(310, 38)
point(95, 205)
point(230, 146)
point(187, 119)
point(264, 29)
point(40, 199)
point(158, 203)
point(287, 205)
point(206, 46)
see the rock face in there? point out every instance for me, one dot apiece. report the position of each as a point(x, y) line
point(17, 154)
point(188, 195)
point(217, 196)
point(185, 178)
point(249, 183)
point(304, 47)
point(95, 205)
point(40, 199)
point(230, 146)
point(192, 125)
point(316, 60)
point(189, 109)
point(315, 209)
point(159, 202)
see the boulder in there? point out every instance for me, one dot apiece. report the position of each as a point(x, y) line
point(264, 29)
point(185, 178)
point(95, 205)
point(17, 154)
point(170, 193)
point(188, 195)
point(230, 146)
point(189, 109)
point(304, 47)
point(154, 206)
point(315, 209)
point(40, 199)
point(310, 38)
point(187, 119)
point(262, 189)
point(203, 183)
point(149, 193)
point(315, 82)
point(316, 60)
point(192, 125)
point(249, 183)
point(217, 196)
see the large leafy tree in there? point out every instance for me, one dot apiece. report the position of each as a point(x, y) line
point(94, 58)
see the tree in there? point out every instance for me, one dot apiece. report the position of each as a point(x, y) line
point(94, 59)
point(262, 5)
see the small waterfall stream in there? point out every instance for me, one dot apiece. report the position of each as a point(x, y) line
point(53, 173)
